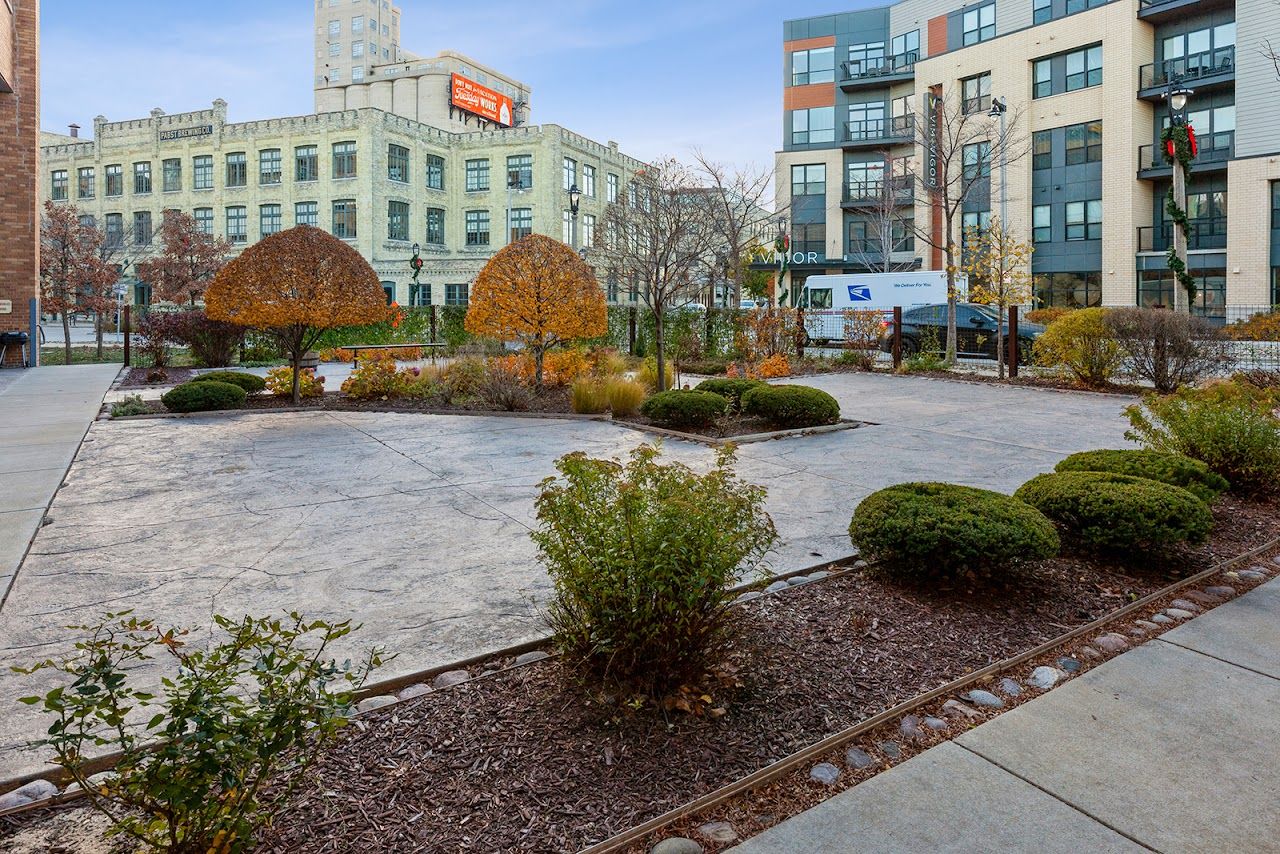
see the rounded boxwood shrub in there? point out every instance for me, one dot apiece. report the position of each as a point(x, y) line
point(1118, 512)
point(203, 397)
point(791, 406)
point(941, 529)
point(731, 389)
point(1175, 469)
point(251, 383)
point(677, 408)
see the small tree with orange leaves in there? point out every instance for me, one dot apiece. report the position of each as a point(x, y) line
point(539, 293)
point(294, 285)
point(187, 263)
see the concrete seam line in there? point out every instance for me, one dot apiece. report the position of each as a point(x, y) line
point(1216, 657)
point(1084, 812)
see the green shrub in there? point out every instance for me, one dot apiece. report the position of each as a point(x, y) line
point(257, 705)
point(203, 397)
point(1175, 469)
point(791, 406)
point(1118, 512)
point(731, 390)
point(251, 383)
point(1082, 345)
point(677, 408)
point(131, 405)
point(941, 529)
point(1231, 427)
point(641, 555)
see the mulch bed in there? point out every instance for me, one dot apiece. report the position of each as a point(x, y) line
point(1048, 381)
point(137, 378)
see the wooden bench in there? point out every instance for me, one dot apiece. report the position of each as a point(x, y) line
point(356, 348)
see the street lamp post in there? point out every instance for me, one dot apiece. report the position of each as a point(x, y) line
point(1177, 97)
point(575, 198)
point(781, 247)
point(999, 107)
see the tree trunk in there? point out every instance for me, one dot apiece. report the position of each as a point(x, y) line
point(537, 367)
point(951, 307)
point(658, 340)
point(296, 359)
point(97, 329)
point(1000, 338)
point(66, 337)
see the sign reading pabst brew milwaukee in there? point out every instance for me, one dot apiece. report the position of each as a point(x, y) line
point(481, 100)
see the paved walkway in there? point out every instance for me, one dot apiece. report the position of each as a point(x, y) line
point(44, 413)
point(1170, 747)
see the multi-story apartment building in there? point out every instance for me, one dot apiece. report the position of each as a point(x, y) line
point(456, 177)
point(1087, 81)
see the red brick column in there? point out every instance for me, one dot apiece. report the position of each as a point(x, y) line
point(19, 162)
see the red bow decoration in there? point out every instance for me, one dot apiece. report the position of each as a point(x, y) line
point(1191, 139)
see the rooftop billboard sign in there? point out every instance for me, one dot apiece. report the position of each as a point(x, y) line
point(481, 101)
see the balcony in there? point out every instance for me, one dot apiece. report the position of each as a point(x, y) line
point(872, 194)
point(878, 71)
point(1215, 150)
point(1206, 233)
point(1206, 71)
point(1163, 11)
point(868, 133)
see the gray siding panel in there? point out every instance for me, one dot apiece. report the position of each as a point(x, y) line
point(1257, 87)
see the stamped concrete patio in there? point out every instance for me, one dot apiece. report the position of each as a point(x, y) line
point(417, 526)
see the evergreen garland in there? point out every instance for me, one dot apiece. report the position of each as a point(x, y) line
point(1178, 137)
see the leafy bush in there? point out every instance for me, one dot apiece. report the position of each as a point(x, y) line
point(1258, 378)
point(1168, 348)
point(131, 405)
point(641, 555)
point(704, 366)
point(624, 396)
point(462, 379)
point(1118, 512)
point(155, 333)
point(259, 704)
point(1175, 469)
point(771, 368)
point(251, 383)
point(1081, 344)
point(791, 406)
point(213, 343)
point(941, 529)
point(1259, 327)
point(588, 397)
point(607, 362)
point(203, 397)
point(280, 382)
point(503, 388)
point(1231, 427)
point(1045, 316)
point(376, 377)
point(731, 389)
point(676, 408)
point(648, 373)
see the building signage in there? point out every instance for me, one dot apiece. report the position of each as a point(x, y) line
point(793, 258)
point(471, 97)
point(185, 133)
point(932, 106)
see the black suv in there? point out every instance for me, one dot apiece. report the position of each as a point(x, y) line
point(976, 327)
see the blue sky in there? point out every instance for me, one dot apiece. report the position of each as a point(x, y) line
point(662, 77)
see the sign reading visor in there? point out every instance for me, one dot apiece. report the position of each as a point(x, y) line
point(481, 101)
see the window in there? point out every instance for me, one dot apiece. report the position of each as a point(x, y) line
point(979, 24)
point(306, 163)
point(1067, 290)
point(568, 228)
point(813, 66)
point(521, 224)
point(269, 220)
point(977, 93)
point(1041, 223)
point(88, 221)
point(611, 188)
point(357, 73)
point(357, 25)
point(397, 220)
point(1084, 143)
point(971, 221)
point(1084, 68)
point(269, 168)
point(204, 220)
point(813, 126)
point(344, 219)
point(1275, 208)
point(238, 224)
point(115, 180)
point(357, 50)
point(477, 228)
point(865, 58)
point(809, 180)
point(335, 28)
point(1084, 220)
point(809, 237)
point(306, 213)
point(906, 49)
point(58, 191)
point(419, 295)
point(435, 172)
point(477, 175)
point(335, 74)
point(435, 226)
point(171, 175)
point(202, 172)
point(86, 186)
point(588, 181)
point(588, 231)
point(520, 172)
point(976, 158)
point(237, 170)
point(1041, 11)
point(142, 230)
point(114, 237)
point(1043, 82)
point(1093, 142)
point(455, 294)
point(344, 160)
point(142, 178)
point(570, 172)
point(335, 49)
point(1042, 149)
point(398, 163)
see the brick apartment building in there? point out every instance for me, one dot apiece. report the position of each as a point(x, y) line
point(19, 151)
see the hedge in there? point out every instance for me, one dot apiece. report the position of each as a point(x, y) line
point(684, 408)
point(251, 383)
point(791, 406)
point(1175, 469)
point(203, 397)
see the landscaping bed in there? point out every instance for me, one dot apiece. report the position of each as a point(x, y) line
point(136, 378)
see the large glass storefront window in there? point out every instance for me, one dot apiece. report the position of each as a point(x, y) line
point(1155, 290)
point(1067, 290)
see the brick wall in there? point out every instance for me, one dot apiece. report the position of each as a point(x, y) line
point(19, 153)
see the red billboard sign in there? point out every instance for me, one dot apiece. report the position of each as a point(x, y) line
point(480, 100)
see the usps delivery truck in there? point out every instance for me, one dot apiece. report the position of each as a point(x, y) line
point(825, 299)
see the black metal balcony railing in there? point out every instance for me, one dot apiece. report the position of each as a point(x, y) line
point(1213, 148)
point(878, 66)
point(1203, 233)
point(1196, 66)
point(873, 248)
point(902, 190)
point(875, 130)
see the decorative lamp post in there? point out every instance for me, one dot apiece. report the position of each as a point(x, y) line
point(1179, 141)
point(415, 263)
point(781, 249)
point(575, 198)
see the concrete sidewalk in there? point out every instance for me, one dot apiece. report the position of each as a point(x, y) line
point(1170, 747)
point(44, 414)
